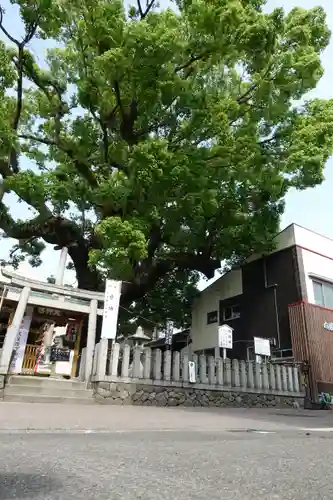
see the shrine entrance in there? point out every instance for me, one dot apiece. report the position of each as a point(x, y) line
point(64, 352)
point(43, 332)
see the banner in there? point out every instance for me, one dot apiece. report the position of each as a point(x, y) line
point(21, 342)
point(111, 309)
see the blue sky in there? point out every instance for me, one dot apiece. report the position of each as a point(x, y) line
point(311, 208)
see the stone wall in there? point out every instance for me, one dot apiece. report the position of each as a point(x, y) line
point(120, 393)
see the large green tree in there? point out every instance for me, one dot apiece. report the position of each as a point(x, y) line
point(164, 141)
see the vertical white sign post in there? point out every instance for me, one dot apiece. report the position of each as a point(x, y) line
point(111, 309)
point(191, 372)
point(225, 338)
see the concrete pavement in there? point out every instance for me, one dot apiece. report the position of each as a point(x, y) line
point(18, 416)
point(59, 452)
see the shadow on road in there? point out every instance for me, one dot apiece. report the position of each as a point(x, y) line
point(292, 418)
point(23, 485)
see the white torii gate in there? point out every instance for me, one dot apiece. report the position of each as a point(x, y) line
point(58, 297)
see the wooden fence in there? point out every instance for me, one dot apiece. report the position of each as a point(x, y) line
point(116, 364)
point(312, 341)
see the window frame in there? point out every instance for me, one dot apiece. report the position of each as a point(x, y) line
point(210, 322)
point(233, 315)
point(322, 284)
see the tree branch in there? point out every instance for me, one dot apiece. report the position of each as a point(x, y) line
point(4, 31)
point(144, 283)
point(31, 30)
point(191, 61)
point(81, 166)
point(244, 97)
point(149, 6)
point(140, 8)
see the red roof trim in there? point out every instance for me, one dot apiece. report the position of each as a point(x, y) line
point(309, 304)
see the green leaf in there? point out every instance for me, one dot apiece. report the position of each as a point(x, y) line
point(160, 143)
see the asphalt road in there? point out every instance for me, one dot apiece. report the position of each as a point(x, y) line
point(146, 453)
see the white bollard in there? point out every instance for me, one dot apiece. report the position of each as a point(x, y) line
point(250, 375)
point(167, 365)
point(290, 381)
point(243, 374)
point(284, 378)
point(185, 368)
point(203, 369)
point(219, 371)
point(176, 367)
point(227, 372)
point(257, 376)
point(125, 361)
point(265, 379)
point(136, 369)
point(278, 378)
point(296, 379)
point(114, 359)
point(272, 382)
point(102, 359)
point(235, 373)
point(147, 363)
point(157, 367)
point(211, 370)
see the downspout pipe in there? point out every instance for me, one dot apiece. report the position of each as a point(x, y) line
point(274, 287)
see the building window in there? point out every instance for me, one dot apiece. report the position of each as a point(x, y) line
point(232, 312)
point(323, 293)
point(212, 317)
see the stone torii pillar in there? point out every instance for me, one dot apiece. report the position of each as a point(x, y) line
point(91, 337)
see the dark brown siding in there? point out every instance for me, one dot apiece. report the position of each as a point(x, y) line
point(263, 316)
point(236, 324)
point(270, 284)
point(312, 342)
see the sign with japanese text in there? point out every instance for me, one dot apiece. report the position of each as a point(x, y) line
point(111, 309)
point(225, 337)
point(21, 342)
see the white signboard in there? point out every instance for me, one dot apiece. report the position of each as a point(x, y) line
point(262, 347)
point(225, 336)
point(191, 372)
point(111, 309)
point(21, 342)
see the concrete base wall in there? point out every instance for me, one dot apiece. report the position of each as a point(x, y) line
point(115, 393)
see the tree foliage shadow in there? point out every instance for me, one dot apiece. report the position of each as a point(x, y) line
point(20, 485)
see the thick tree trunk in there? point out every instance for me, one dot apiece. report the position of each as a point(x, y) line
point(87, 279)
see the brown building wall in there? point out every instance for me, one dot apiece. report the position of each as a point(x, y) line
point(313, 343)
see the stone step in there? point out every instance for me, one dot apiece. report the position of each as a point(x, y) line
point(26, 398)
point(49, 382)
point(67, 392)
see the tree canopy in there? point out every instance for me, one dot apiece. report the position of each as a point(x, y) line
point(163, 140)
